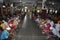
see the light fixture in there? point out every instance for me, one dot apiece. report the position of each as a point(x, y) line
point(53, 3)
point(11, 5)
point(4, 6)
point(25, 10)
point(38, 11)
point(25, 7)
point(55, 11)
point(51, 10)
point(47, 11)
point(22, 9)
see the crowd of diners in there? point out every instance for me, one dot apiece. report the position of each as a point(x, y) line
point(50, 25)
point(50, 28)
point(9, 24)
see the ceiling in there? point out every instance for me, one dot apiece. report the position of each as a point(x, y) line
point(22, 2)
point(54, 0)
point(32, 2)
point(9, 1)
point(1, 1)
point(53, 3)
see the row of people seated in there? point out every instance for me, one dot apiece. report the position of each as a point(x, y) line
point(8, 28)
point(49, 27)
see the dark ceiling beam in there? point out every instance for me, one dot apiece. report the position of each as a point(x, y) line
point(58, 1)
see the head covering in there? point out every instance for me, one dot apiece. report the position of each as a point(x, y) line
point(8, 28)
point(3, 26)
point(51, 28)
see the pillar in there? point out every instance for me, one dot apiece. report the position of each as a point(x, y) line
point(43, 4)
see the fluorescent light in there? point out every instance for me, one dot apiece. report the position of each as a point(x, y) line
point(4, 6)
point(53, 3)
point(55, 11)
point(51, 10)
point(11, 5)
point(22, 9)
point(38, 11)
point(47, 11)
point(25, 10)
point(25, 7)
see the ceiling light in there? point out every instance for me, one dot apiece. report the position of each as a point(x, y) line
point(11, 5)
point(22, 9)
point(4, 6)
point(38, 11)
point(55, 11)
point(25, 7)
point(51, 10)
point(25, 10)
point(53, 3)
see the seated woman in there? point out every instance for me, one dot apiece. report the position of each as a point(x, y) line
point(48, 24)
point(4, 34)
point(42, 24)
point(54, 31)
point(58, 29)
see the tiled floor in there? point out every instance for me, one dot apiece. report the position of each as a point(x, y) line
point(29, 30)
